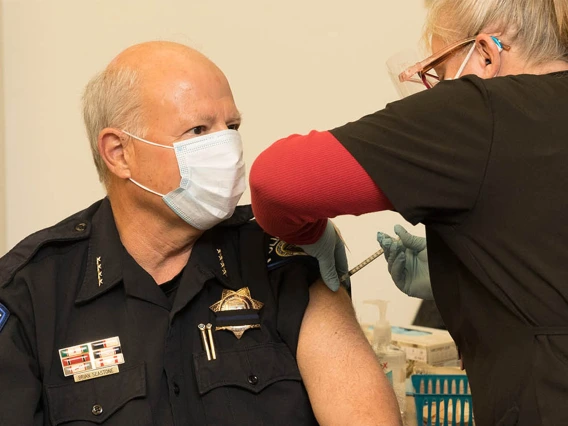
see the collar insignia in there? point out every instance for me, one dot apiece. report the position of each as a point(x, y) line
point(99, 271)
point(222, 262)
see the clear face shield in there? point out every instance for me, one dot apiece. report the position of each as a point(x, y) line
point(397, 65)
point(411, 76)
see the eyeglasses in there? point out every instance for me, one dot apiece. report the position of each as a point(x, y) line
point(423, 72)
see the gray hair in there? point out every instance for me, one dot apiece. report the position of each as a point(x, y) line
point(111, 99)
point(537, 28)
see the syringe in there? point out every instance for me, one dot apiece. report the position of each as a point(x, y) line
point(362, 265)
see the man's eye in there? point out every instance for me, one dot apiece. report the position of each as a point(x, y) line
point(234, 126)
point(197, 130)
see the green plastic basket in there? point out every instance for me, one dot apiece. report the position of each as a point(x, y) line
point(442, 400)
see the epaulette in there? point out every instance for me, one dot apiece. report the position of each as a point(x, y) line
point(74, 228)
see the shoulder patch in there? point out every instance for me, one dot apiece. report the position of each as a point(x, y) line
point(283, 249)
point(4, 315)
point(280, 253)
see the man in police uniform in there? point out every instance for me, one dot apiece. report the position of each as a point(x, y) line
point(162, 304)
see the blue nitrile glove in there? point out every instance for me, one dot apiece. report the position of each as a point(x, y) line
point(408, 262)
point(329, 250)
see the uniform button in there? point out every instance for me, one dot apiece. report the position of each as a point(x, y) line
point(80, 227)
point(97, 410)
point(252, 379)
point(176, 389)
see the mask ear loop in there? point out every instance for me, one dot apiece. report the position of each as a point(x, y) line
point(146, 188)
point(465, 61)
point(468, 57)
point(149, 143)
point(145, 141)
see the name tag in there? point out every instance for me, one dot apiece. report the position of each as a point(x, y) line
point(96, 373)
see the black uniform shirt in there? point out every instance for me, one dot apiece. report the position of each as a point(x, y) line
point(75, 283)
point(484, 165)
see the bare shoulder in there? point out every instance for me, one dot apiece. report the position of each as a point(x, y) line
point(329, 321)
point(343, 378)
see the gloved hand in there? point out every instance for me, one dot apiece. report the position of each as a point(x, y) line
point(329, 250)
point(407, 262)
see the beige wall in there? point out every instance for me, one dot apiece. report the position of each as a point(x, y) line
point(294, 66)
point(2, 143)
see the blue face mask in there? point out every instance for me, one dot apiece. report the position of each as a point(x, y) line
point(213, 177)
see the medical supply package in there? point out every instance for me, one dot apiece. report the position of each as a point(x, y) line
point(432, 346)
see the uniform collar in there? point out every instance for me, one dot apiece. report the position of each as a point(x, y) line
point(241, 215)
point(216, 252)
point(213, 254)
point(213, 257)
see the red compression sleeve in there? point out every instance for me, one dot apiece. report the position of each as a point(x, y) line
point(300, 181)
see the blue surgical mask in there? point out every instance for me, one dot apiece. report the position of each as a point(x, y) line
point(213, 177)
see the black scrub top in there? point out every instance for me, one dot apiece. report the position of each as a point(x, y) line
point(75, 284)
point(484, 165)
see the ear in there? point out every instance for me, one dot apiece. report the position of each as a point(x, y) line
point(112, 148)
point(490, 55)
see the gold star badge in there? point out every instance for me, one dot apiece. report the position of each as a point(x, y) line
point(237, 311)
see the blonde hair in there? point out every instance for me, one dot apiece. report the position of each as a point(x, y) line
point(111, 99)
point(537, 29)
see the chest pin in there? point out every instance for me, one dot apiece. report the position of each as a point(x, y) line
point(207, 340)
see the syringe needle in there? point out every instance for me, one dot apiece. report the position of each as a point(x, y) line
point(362, 264)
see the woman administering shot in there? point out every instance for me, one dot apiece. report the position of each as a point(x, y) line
point(481, 158)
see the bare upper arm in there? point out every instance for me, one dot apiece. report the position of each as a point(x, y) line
point(340, 371)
